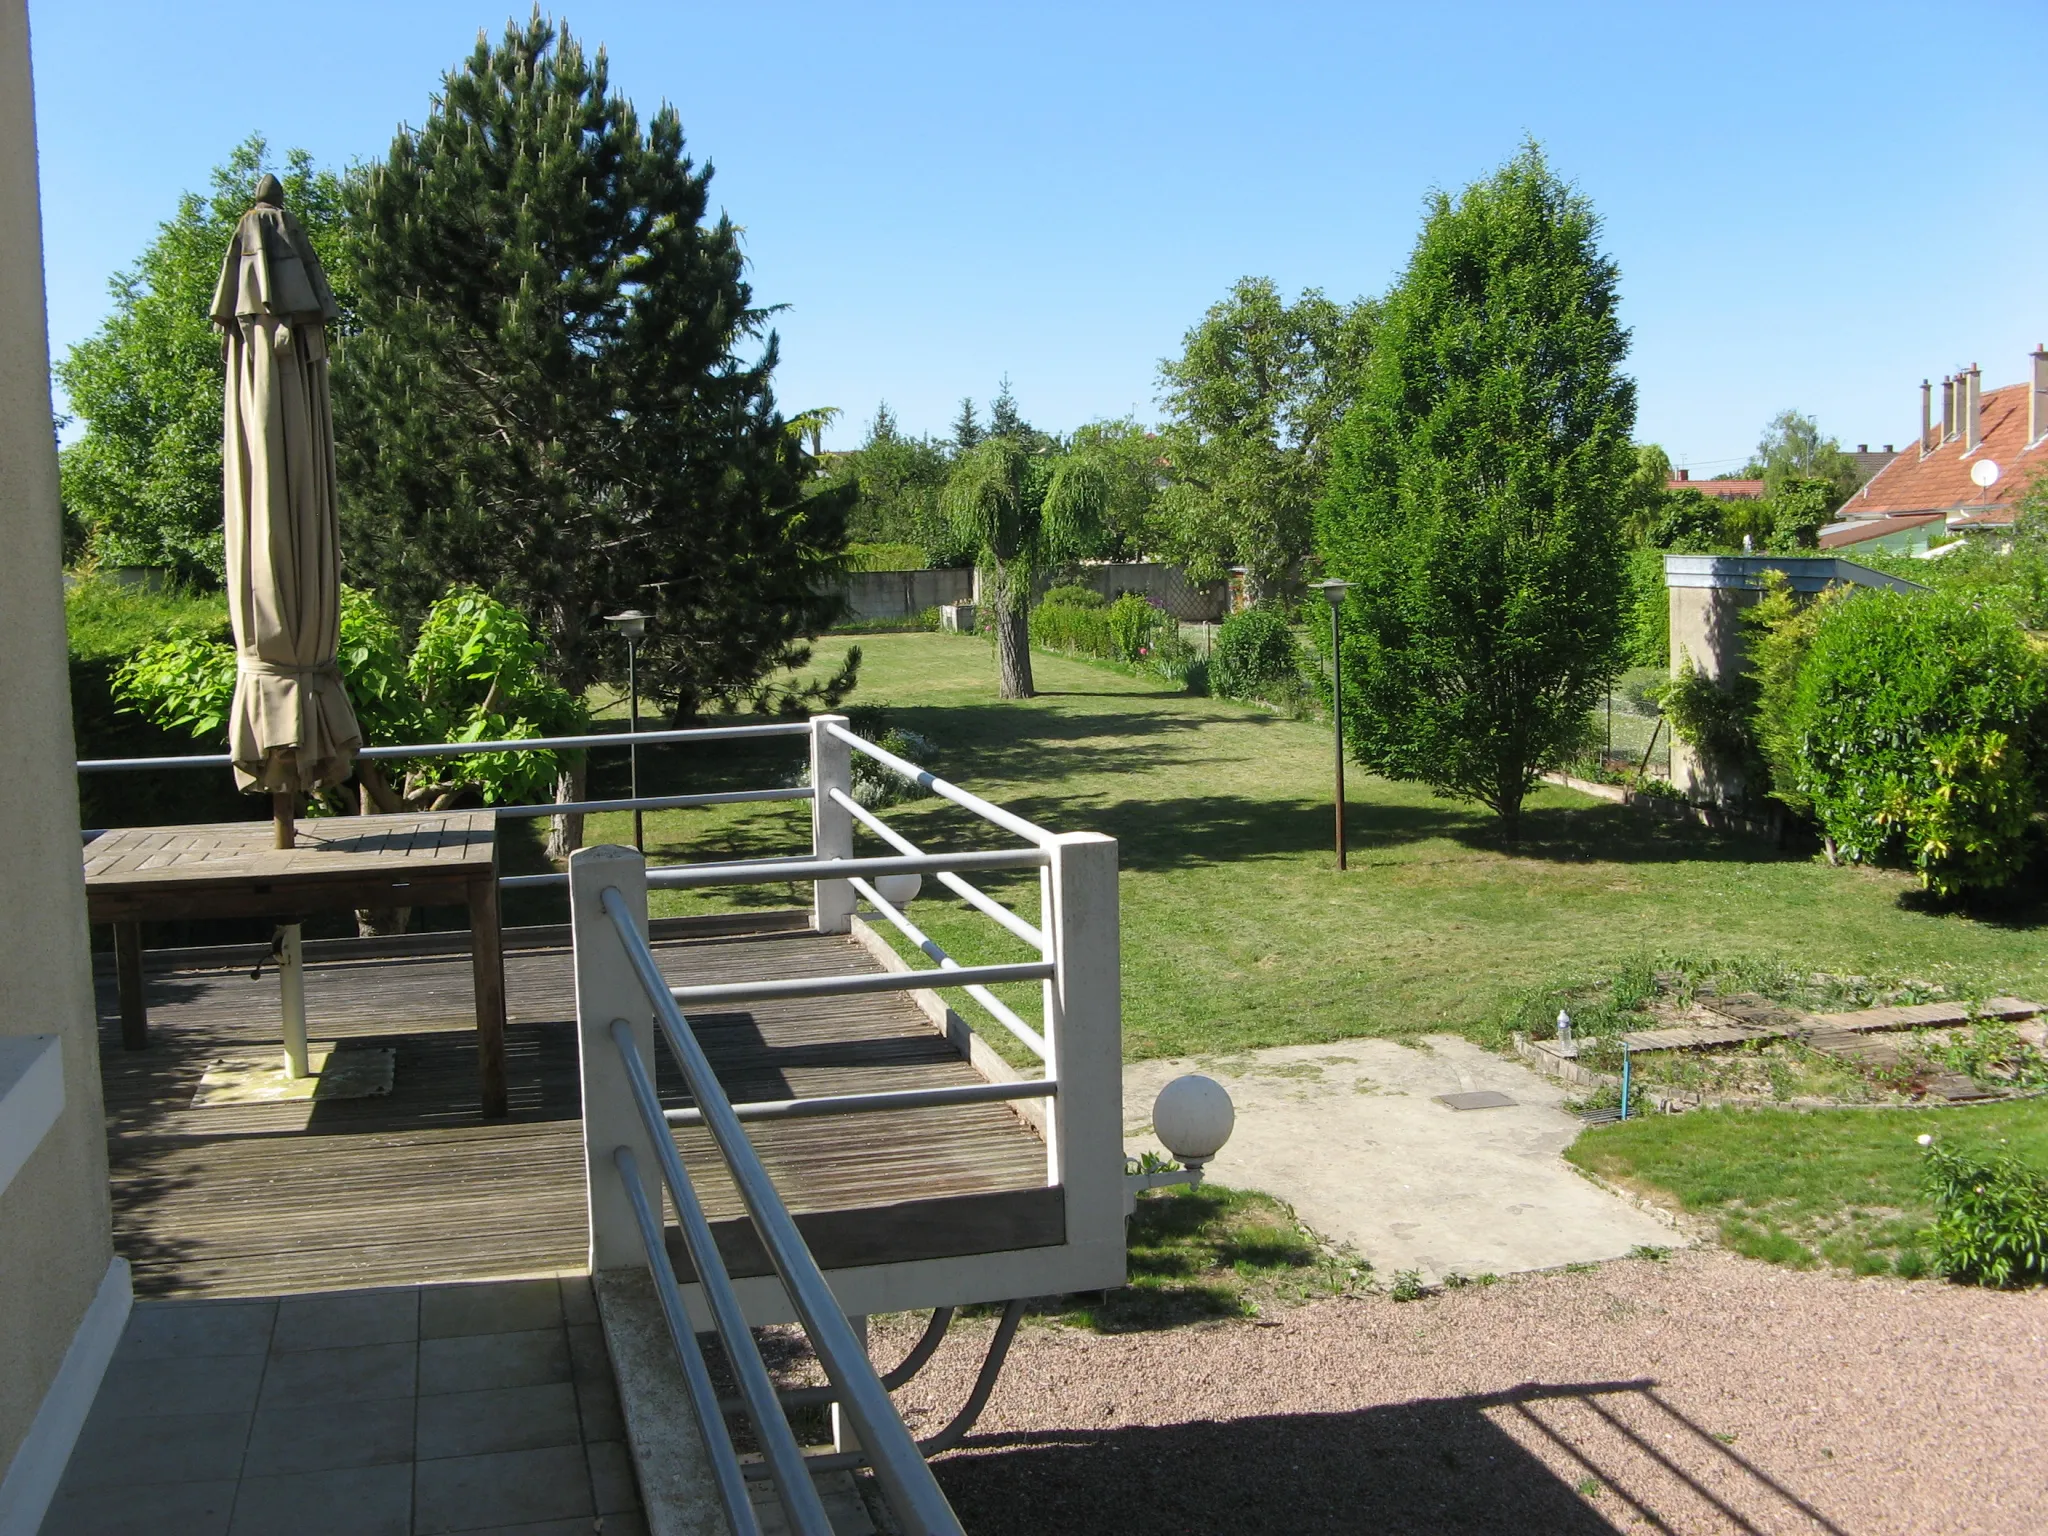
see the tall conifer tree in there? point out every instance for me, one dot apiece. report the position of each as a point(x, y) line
point(1477, 493)
point(549, 396)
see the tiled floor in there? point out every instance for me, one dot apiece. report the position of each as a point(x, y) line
point(483, 1408)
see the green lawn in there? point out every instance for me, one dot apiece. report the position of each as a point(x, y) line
point(1794, 1187)
point(1237, 929)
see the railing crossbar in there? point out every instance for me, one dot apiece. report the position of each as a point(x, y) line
point(828, 1104)
point(647, 803)
point(1008, 821)
point(462, 748)
point(973, 895)
point(757, 1389)
point(862, 982)
point(691, 876)
point(1001, 1011)
point(906, 1480)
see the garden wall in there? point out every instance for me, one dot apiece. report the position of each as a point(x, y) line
point(904, 594)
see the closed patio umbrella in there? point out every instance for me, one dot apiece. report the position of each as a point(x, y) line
point(292, 728)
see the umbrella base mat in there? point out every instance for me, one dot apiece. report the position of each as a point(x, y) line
point(258, 1077)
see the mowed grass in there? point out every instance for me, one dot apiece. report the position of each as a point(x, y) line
point(1801, 1187)
point(1237, 929)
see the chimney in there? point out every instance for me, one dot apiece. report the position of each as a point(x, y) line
point(1863, 447)
point(1685, 474)
point(1948, 407)
point(1926, 418)
point(1889, 449)
point(2037, 398)
point(1973, 414)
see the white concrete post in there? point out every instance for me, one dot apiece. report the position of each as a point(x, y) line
point(1084, 1031)
point(607, 989)
point(291, 987)
point(844, 1436)
point(831, 828)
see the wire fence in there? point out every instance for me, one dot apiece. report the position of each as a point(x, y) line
point(1629, 736)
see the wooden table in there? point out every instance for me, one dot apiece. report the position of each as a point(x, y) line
point(230, 869)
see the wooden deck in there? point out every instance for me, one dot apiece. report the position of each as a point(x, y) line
point(417, 1186)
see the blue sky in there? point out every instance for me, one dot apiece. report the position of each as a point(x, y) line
point(1811, 205)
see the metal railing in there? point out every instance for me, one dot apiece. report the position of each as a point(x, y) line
point(604, 879)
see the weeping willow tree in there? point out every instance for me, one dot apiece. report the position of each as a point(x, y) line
point(1022, 514)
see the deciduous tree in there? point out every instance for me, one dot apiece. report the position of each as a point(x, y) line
point(1254, 396)
point(142, 484)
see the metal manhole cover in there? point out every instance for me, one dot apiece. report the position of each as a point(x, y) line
point(1484, 1099)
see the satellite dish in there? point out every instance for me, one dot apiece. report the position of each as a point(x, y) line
point(1985, 473)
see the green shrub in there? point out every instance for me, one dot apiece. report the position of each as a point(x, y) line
point(1073, 619)
point(1916, 721)
point(1990, 1217)
point(1646, 613)
point(1255, 656)
point(1133, 622)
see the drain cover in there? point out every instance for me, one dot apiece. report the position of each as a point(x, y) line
point(1485, 1099)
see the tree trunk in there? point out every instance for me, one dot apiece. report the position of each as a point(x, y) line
point(565, 833)
point(1511, 822)
point(1013, 653)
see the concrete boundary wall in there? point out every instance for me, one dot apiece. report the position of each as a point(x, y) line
point(883, 595)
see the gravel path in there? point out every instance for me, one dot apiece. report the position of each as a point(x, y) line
point(1706, 1393)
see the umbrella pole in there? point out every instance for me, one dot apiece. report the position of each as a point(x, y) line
point(283, 803)
point(291, 979)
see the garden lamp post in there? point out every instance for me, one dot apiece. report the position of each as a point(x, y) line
point(1333, 593)
point(632, 624)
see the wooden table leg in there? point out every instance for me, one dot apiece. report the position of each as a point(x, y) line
point(487, 957)
point(128, 983)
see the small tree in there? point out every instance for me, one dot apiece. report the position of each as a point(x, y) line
point(1477, 493)
point(1021, 513)
point(143, 483)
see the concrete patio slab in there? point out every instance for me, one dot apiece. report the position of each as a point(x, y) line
point(1349, 1135)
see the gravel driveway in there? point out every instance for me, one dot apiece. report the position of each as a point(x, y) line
point(1706, 1393)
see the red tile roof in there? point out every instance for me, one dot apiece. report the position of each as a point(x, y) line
point(1940, 481)
point(1720, 490)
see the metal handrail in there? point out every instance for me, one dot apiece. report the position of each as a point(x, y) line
point(999, 1010)
point(907, 1482)
point(972, 895)
point(731, 1479)
point(1007, 820)
point(462, 748)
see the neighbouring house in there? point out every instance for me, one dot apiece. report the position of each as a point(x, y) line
point(1963, 476)
point(1719, 490)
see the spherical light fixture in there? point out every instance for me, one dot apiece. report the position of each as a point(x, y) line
point(1193, 1117)
point(899, 890)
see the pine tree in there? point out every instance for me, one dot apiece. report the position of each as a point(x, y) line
point(1477, 494)
point(549, 395)
point(966, 428)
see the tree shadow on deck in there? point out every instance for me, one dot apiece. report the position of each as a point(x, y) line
point(1438, 1466)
